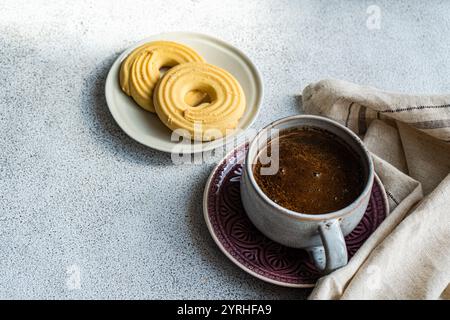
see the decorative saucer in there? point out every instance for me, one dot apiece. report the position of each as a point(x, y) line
point(253, 252)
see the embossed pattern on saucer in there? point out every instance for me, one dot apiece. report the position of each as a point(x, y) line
point(256, 254)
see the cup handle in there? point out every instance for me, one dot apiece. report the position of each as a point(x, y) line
point(333, 252)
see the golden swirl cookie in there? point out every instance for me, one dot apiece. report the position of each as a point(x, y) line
point(214, 114)
point(140, 71)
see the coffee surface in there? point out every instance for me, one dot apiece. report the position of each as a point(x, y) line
point(318, 173)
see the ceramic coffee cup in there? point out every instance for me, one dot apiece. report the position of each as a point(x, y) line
point(322, 235)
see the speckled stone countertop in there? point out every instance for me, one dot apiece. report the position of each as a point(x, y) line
point(86, 212)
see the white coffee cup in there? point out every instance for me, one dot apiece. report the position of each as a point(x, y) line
point(322, 235)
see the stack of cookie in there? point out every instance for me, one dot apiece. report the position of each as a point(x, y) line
point(196, 99)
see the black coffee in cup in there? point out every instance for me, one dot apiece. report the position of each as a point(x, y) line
point(318, 173)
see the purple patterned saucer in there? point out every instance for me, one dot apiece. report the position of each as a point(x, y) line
point(253, 252)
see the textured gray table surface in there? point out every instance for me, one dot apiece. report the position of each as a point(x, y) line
point(79, 200)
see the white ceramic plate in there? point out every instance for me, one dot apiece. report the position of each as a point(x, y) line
point(146, 128)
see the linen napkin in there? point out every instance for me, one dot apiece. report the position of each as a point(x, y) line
point(408, 256)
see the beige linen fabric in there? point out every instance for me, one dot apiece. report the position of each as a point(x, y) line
point(408, 256)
